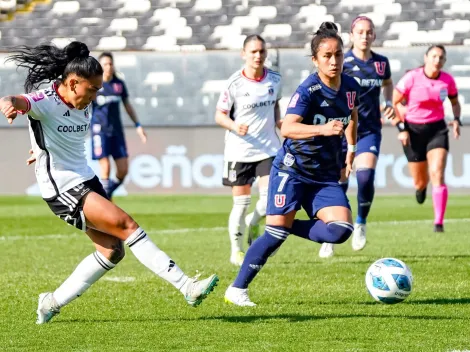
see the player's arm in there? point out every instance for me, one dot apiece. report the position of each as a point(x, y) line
point(387, 90)
point(351, 137)
point(11, 104)
point(277, 115)
point(293, 128)
point(397, 100)
point(131, 112)
point(223, 120)
point(456, 110)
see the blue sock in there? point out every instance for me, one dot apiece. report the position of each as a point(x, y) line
point(258, 254)
point(365, 193)
point(105, 183)
point(344, 185)
point(112, 187)
point(317, 231)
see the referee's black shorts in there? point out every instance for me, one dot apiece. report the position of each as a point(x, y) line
point(425, 137)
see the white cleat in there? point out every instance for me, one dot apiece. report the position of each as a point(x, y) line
point(238, 297)
point(359, 237)
point(198, 290)
point(237, 258)
point(46, 310)
point(327, 250)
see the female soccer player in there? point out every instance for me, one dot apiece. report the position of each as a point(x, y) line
point(424, 133)
point(307, 168)
point(248, 108)
point(372, 72)
point(59, 120)
point(106, 125)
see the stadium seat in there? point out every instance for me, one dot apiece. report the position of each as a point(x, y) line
point(112, 43)
point(65, 7)
point(207, 5)
point(118, 25)
point(277, 31)
point(135, 6)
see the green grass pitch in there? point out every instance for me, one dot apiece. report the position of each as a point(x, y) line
point(304, 303)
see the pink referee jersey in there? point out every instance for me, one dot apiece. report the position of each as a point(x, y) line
point(425, 96)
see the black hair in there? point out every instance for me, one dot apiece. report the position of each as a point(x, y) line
point(46, 63)
point(327, 30)
point(252, 37)
point(106, 54)
point(438, 47)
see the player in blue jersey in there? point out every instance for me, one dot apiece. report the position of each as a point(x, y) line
point(307, 168)
point(372, 72)
point(106, 125)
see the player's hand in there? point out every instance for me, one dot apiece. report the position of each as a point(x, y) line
point(7, 109)
point(332, 128)
point(143, 136)
point(31, 159)
point(241, 130)
point(404, 137)
point(389, 112)
point(349, 163)
point(456, 128)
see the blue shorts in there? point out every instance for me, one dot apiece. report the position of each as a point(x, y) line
point(103, 146)
point(369, 143)
point(286, 193)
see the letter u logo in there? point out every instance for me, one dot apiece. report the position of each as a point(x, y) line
point(351, 98)
point(380, 67)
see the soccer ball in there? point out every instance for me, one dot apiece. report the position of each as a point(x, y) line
point(389, 280)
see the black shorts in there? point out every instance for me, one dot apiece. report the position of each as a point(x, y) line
point(425, 137)
point(241, 174)
point(69, 205)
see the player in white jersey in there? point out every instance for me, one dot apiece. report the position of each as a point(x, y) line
point(248, 108)
point(58, 122)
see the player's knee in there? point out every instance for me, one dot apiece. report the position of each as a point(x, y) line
point(116, 253)
point(437, 176)
point(126, 223)
point(365, 177)
point(339, 231)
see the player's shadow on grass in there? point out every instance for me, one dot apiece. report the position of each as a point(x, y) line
point(301, 318)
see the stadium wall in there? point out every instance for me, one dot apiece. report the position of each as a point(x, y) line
point(187, 160)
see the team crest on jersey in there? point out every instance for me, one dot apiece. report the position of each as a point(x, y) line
point(271, 90)
point(279, 200)
point(117, 87)
point(380, 67)
point(351, 98)
point(87, 114)
point(443, 94)
point(289, 159)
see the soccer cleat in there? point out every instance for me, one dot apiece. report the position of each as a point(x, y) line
point(359, 237)
point(420, 196)
point(438, 228)
point(253, 230)
point(327, 250)
point(238, 297)
point(198, 290)
point(237, 258)
point(46, 310)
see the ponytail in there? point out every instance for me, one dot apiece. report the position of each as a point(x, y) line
point(327, 30)
point(46, 63)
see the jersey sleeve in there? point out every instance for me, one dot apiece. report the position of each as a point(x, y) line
point(388, 71)
point(125, 93)
point(37, 102)
point(452, 90)
point(405, 83)
point(226, 99)
point(300, 103)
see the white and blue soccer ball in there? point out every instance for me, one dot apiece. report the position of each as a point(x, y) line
point(389, 280)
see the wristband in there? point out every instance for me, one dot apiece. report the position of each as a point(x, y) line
point(352, 148)
point(457, 118)
point(137, 125)
point(401, 127)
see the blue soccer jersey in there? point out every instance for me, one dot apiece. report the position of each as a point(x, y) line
point(106, 117)
point(370, 75)
point(318, 159)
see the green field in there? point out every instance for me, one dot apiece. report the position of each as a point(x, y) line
point(304, 303)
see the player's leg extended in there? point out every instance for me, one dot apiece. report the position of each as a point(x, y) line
point(236, 224)
point(252, 220)
point(108, 218)
point(109, 252)
point(365, 175)
point(419, 173)
point(415, 153)
point(437, 160)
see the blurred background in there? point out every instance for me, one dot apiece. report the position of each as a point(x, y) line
point(175, 56)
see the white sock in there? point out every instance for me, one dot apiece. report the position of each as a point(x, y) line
point(260, 208)
point(236, 221)
point(90, 270)
point(156, 260)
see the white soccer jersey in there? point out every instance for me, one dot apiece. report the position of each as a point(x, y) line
point(251, 103)
point(57, 132)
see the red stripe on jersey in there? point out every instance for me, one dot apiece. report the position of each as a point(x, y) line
point(265, 73)
point(60, 96)
point(28, 106)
